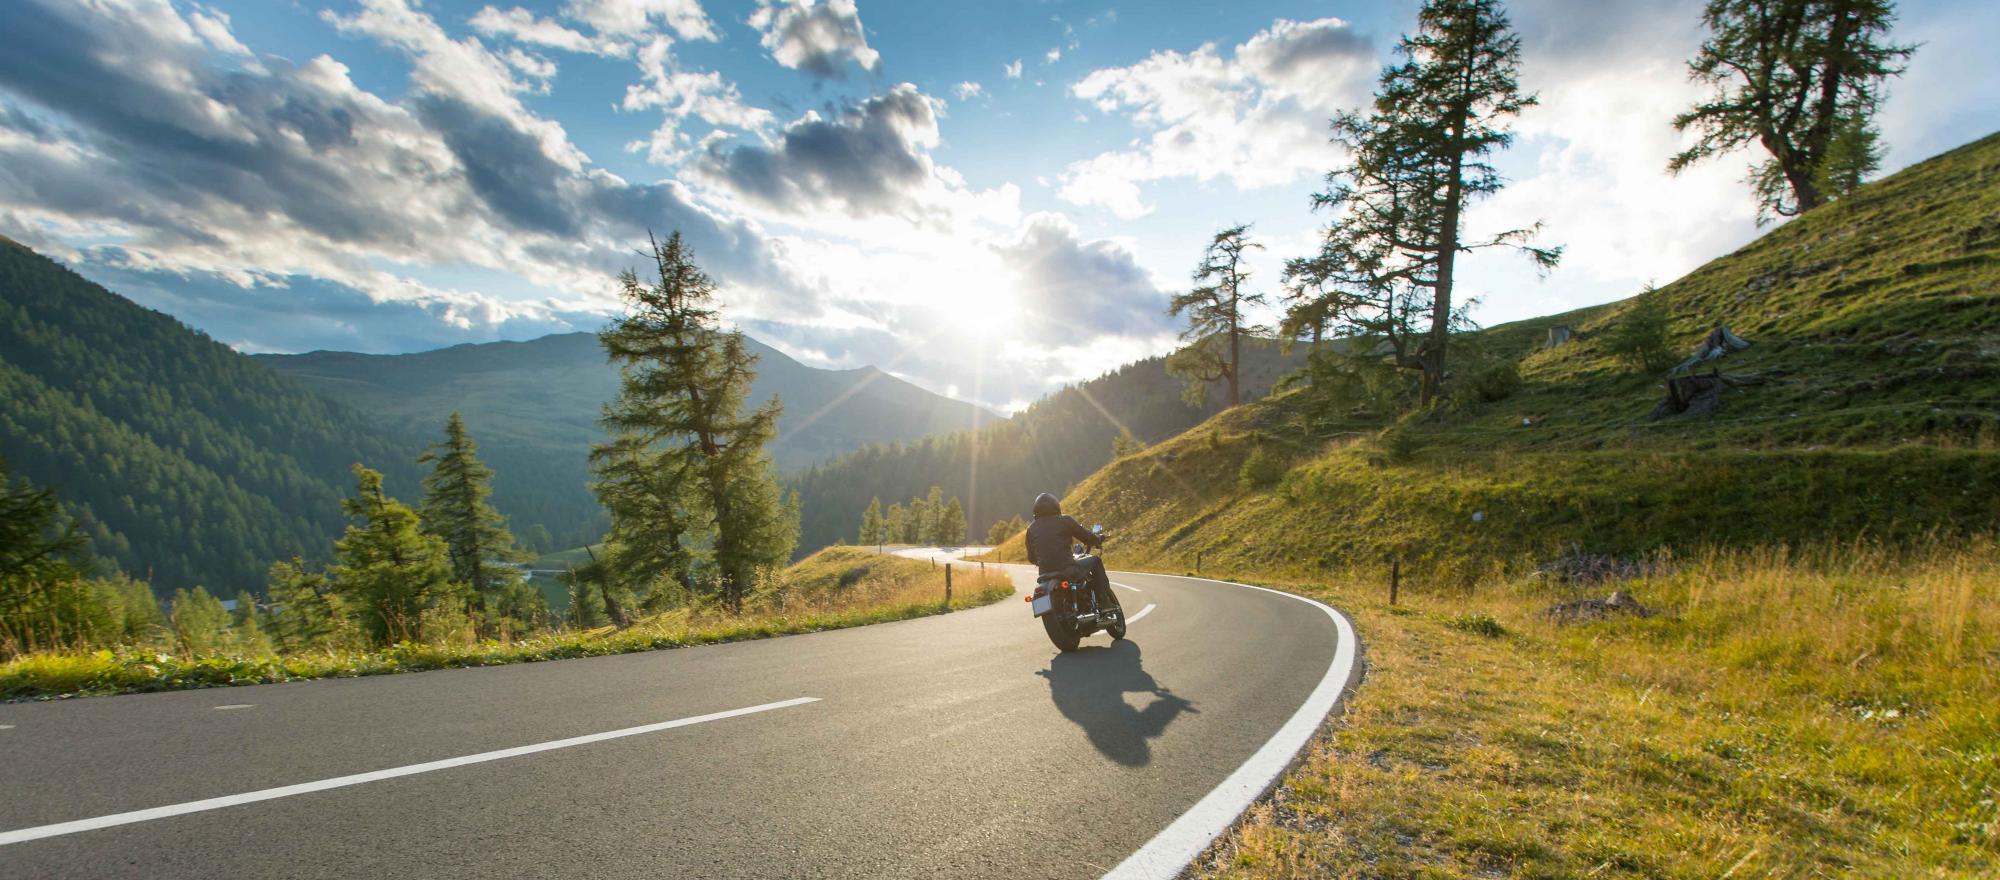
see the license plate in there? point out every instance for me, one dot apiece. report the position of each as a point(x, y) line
point(1042, 604)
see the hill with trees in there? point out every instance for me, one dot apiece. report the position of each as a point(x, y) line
point(1047, 447)
point(1866, 404)
point(534, 407)
point(183, 461)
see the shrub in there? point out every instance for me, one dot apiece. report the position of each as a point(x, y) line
point(1259, 471)
point(1640, 336)
point(1476, 623)
point(1496, 381)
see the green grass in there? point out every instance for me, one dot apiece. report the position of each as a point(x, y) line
point(833, 589)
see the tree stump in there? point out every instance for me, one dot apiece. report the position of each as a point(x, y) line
point(1717, 343)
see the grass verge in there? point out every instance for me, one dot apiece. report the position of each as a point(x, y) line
point(833, 589)
point(1827, 714)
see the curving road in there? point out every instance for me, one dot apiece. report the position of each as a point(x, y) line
point(955, 746)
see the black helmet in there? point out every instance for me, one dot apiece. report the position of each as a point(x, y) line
point(1047, 505)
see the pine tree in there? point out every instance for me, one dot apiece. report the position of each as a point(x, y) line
point(396, 577)
point(951, 524)
point(934, 518)
point(246, 633)
point(871, 523)
point(1416, 161)
point(455, 510)
point(916, 523)
point(894, 524)
point(1004, 529)
point(1802, 79)
point(1216, 323)
point(1125, 444)
point(306, 613)
point(199, 621)
point(38, 550)
point(680, 414)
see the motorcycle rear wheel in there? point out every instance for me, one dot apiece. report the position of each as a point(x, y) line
point(1061, 632)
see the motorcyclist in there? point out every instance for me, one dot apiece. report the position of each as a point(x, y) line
point(1048, 542)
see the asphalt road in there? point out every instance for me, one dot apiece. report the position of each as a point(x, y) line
point(961, 745)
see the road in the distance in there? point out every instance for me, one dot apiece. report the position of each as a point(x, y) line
point(961, 745)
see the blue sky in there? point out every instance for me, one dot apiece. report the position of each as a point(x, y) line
point(990, 199)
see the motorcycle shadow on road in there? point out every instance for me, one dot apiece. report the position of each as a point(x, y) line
point(1089, 688)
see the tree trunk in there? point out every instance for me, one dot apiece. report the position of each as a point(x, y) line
point(1235, 347)
point(1440, 335)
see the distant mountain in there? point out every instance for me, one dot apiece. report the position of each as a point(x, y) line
point(533, 408)
point(997, 470)
point(179, 457)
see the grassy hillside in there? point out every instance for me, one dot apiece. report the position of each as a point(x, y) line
point(1875, 331)
point(1817, 697)
point(533, 407)
point(999, 469)
point(836, 588)
point(179, 457)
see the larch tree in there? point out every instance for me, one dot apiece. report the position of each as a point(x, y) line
point(894, 524)
point(951, 524)
point(397, 578)
point(1417, 160)
point(1801, 79)
point(455, 509)
point(1215, 320)
point(871, 523)
point(680, 422)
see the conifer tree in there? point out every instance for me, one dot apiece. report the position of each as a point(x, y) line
point(390, 571)
point(680, 417)
point(455, 509)
point(934, 517)
point(246, 632)
point(1125, 444)
point(1388, 263)
point(871, 523)
point(306, 613)
point(1216, 323)
point(1801, 79)
point(916, 523)
point(894, 524)
point(199, 621)
point(951, 524)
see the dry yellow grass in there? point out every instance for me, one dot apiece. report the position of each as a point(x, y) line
point(1826, 714)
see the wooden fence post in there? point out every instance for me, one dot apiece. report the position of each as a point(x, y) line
point(1395, 577)
point(947, 583)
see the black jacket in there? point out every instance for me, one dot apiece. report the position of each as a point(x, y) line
point(1049, 540)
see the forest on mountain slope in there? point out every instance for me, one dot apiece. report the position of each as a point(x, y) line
point(534, 407)
point(183, 461)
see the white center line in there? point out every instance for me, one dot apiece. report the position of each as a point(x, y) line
point(6, 727)
point(26, 834)
point(1142, 613)
point(236, 706)
point(1124, 587)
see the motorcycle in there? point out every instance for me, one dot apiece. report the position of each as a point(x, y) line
point(1069, 608)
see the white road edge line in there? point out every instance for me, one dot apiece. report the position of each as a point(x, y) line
point(1176, 846)
point(26, 834)
point(1142, 613)
point(1124, 587)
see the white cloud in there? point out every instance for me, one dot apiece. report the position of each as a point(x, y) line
point(635, 19)
point(1012, 69)
point(820, 37)
point(524, 26)
point(681, 94)
point(1257, 117)
point(968, 90)
point(1053, 56)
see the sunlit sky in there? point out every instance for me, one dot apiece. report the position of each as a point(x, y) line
point(988, 199)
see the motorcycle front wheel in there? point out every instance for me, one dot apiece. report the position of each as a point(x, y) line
point(1117, 630)
point(1061, 631)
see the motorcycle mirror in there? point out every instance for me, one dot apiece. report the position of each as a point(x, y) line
point(1097, 527)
